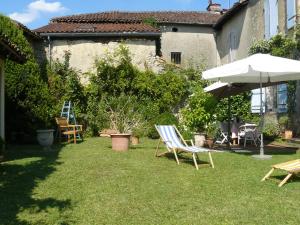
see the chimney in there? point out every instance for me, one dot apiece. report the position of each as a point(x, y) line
point(214, 7)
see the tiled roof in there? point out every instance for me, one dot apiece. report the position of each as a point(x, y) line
point(185, 17)
point(97, 28)
point(10, 50)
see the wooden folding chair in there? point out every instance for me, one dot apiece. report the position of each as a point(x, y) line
point(66, 129)
point(291, 167)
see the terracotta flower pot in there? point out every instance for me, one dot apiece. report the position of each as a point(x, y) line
point(120, 142)
point(210, 142)
point(288, 134)
point(135, 140)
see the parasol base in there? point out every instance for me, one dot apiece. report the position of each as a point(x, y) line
point(262, 157)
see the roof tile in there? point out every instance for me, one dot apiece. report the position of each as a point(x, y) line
point(96, 28)
point(186, 17)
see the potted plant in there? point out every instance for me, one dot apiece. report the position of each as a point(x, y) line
point(199, 113)
point(211, 131)
point(136, 134)
point(124, 118)
point(284, 122)
point(45, 136)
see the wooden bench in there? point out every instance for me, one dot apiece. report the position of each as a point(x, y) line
point(291, 167)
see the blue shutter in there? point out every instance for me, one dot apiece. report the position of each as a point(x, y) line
point(273, 17)
point(267, 19)
point(282, 98)
point(291, 13)
point(255, 100)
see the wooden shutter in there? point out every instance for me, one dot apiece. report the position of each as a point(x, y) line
point(291, 13)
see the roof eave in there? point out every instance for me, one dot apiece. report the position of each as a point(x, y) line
point(102, 34)
point(11, 53)
point(231, 12)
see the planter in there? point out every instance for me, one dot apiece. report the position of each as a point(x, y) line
point(45, 138)
point(288, 134)
point(199, 139)
point(135, 140)
point(210, 143)
point(120, 142)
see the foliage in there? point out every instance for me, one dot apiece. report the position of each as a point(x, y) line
point(200, 109)
point(278, 45)
point(64, 85)
point(123, 113)
point(271, 127)
point(239, 107)
point(9, 29)
point(156, 93)
point(150, 21)
point(165, 118)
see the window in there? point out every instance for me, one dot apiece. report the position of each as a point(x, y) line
point(174, 29)
point(232, 46)
point(176, 57)
point(255, 100)
point(271, 18)
point(290, 13)
point(282, 98)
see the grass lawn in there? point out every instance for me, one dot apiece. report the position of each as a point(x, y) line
point(88, 183)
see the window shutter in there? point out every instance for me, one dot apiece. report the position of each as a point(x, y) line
point(267, 19)
point(291, 13)
point(282, 98)
point(255, 100)
point(273, 17)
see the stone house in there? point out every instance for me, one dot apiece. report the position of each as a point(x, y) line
point(212, 38)
point(181, 37)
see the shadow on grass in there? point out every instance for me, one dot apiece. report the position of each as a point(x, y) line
point(184, 158)
point(19, 179)
point(278, 178)
point(270, 149)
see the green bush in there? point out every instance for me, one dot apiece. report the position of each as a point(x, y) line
point(199, 111)
point(9, 29)
point(271, 127)
point(165, 118)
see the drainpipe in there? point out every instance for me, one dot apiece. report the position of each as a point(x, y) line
point(49, 47)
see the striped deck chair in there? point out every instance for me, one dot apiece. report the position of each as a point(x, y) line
point(292, 167)
point(175, 143)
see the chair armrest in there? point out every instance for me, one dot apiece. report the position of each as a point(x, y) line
point(75, 126)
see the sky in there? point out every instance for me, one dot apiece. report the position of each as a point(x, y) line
point(37, 13)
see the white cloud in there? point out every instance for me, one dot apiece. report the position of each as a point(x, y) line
point(35, 9)
point(24, 17)
point(43, 6)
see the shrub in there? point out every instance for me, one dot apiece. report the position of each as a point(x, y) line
point(165, 118)
point(199, 111)
point(271, 127)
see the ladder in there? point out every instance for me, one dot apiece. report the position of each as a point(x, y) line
point(68, 112)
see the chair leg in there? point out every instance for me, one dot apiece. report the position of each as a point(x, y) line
point(285, 179)
point(157, 146)
point(195, 161)
point(268, 174)
point(174, 150)
point(211, 160)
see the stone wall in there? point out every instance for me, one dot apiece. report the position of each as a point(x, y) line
point(247, 26)
point(84, 52)
point(196, 43)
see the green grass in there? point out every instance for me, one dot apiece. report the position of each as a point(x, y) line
point(88, 183)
